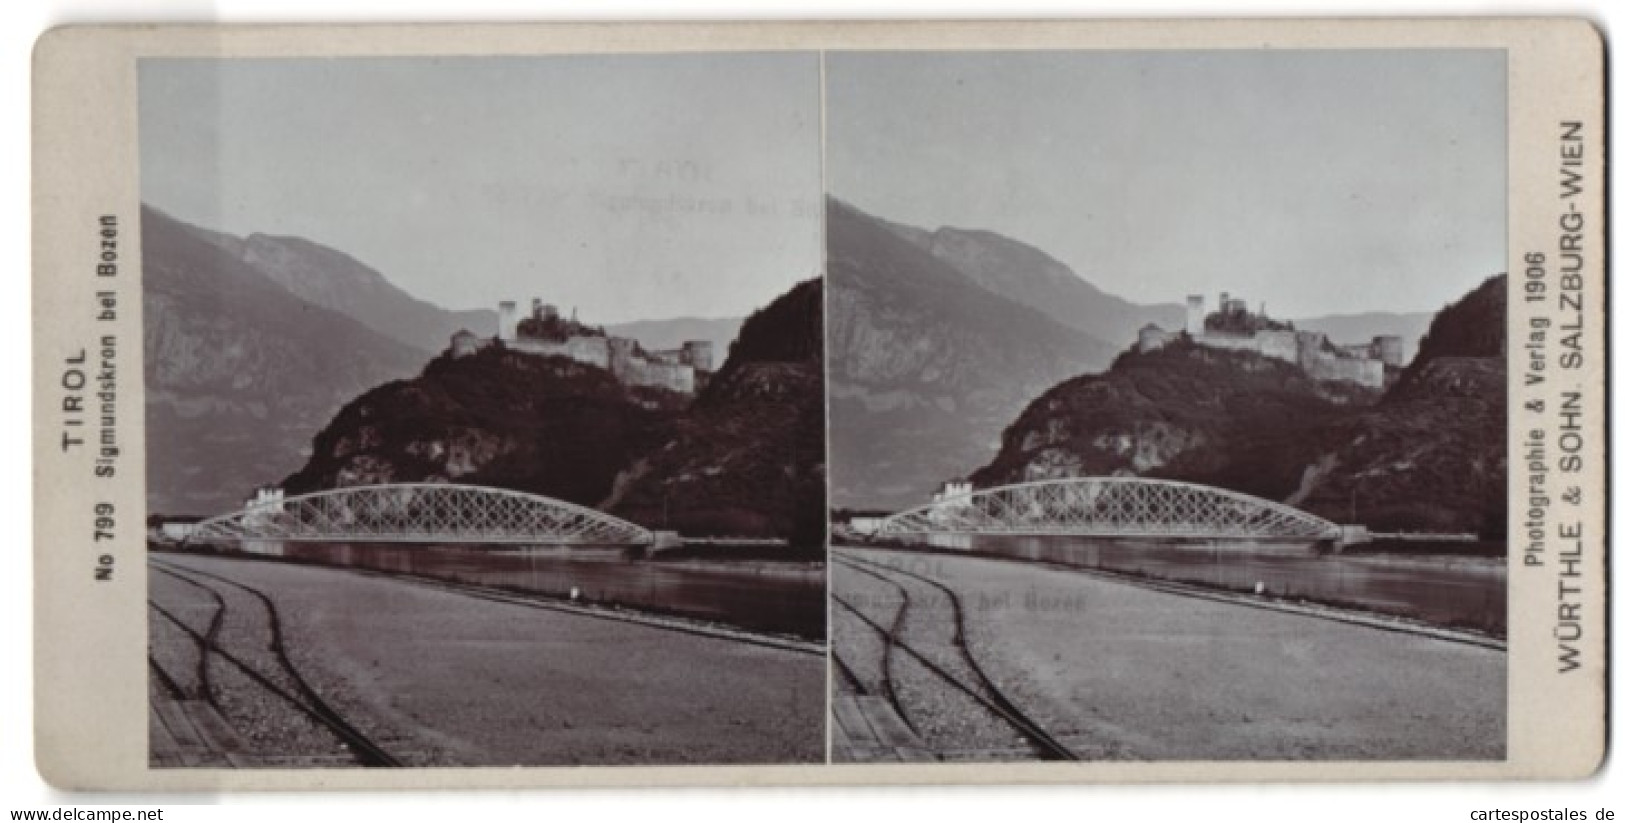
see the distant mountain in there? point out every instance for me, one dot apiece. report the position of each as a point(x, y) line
point(747, 457)
point(240, 373)
point(926, 366)
point(335, 280)
point(1027, 275)
point(670, 334)
point(1360, 328)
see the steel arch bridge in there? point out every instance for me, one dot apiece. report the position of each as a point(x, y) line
point(1110, 507)
point(422, 513)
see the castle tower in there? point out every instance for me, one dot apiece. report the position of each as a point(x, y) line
point(697, 353)
point(1152, 337)
point(1195, 317)
point(1389, 348)
point(464, 343)
point(621, 348)
point(621, 352)
point(507, 320)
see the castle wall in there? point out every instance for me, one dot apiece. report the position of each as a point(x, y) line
point(591, 350)
point(677, 377)
point(1281, 345)
point(1363, 371)
point(1237, 342)
point(636, 371)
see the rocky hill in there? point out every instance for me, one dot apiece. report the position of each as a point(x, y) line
point(1429, 455)
point(747, 458)
point(743, 458)
point(1233, 419)
point(239, 372)
point(548, 425)
point(926, 366)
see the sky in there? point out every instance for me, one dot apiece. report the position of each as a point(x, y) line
point(630, 186)
point(1316, 182)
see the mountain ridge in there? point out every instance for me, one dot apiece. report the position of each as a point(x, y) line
point(239, 372)
point(925, 366)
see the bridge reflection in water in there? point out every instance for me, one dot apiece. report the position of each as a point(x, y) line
point(520, 541)
point(1446, 590)
point(1193, 533)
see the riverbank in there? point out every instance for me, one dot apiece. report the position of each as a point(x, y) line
point(777, 597)
point(1123, 671)
point(439, 677)
point(1449, 591)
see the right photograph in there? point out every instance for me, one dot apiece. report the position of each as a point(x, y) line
point(1167, 405)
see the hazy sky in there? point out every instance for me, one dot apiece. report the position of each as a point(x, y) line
point(1319, 182)
point(630, 186)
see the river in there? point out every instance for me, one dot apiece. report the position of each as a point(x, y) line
point(761, 595)
point(1445, 590)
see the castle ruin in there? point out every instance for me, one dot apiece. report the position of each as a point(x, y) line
point(1234, 328)
point(545, 332)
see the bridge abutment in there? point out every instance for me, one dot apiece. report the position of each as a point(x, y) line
point(665, 542)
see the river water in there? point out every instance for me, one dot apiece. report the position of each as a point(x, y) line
point(1467, 592)
point(761, 595)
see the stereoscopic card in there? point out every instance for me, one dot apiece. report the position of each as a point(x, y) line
point(826, 403)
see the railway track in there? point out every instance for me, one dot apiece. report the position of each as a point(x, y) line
point(978, 687)
point(283, 681)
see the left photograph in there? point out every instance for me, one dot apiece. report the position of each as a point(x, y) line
point(484, 410)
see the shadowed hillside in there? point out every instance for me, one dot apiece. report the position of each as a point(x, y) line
point(747, 458)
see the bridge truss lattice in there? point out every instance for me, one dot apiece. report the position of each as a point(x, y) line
point(1110, 507)
point(422, 513)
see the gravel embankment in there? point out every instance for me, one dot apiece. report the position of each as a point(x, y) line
point(947, 719)
point(861, 648)
point(439, 677)
point(1123, 672)
point(265, 723)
